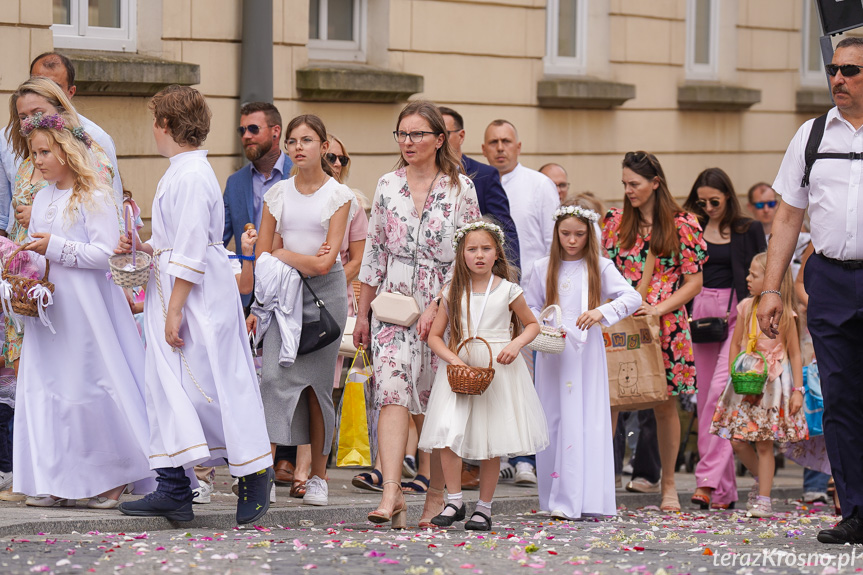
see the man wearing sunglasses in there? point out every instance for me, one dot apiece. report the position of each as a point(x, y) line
point(832, 191)
point(762, 205)
point(260, 131)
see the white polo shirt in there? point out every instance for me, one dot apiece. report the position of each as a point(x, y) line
point(533, 198)
point(834, 196)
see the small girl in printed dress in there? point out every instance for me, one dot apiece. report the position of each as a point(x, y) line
point(775, 415)
point(507, 418)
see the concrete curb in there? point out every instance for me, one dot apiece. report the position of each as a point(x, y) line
point(301, 516)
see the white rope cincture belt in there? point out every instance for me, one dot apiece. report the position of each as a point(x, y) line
point(6, 304)
point(156, 271)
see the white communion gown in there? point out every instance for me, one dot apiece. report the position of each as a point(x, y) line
point(576, 473)
point(80, 417)
point(507, 419)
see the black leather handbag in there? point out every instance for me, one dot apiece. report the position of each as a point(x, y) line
point(321, 333)
point(711, 329)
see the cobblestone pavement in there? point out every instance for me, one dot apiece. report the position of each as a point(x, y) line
point(644, 541)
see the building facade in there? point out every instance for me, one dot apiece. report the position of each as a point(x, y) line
point(700, 83)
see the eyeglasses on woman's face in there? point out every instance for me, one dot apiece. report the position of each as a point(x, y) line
point(415, 136)
point(714, 202)
point(306, 141)
point(331, 158)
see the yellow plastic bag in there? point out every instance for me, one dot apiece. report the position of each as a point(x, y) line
point(354, 449)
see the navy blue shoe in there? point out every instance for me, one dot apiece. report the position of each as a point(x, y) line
point(158, 504)
point(254, 495)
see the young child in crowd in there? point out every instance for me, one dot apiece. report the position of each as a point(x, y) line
point(80, 418)
point(775, 415)
point(576, 472)
point(204, 405)
point(507, 419)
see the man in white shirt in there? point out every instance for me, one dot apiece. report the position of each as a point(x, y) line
point(558, 175)
point(832, 190)
point(532, 196)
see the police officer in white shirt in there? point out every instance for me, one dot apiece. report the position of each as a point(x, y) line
point(532, 196)
point(833, 193)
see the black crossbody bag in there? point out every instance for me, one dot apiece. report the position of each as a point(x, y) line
point(321, 333)
point(711, 329)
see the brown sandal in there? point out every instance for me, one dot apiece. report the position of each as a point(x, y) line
point(298, 488)
point(284, 472)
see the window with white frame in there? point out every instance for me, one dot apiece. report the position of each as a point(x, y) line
point(95, 24)
point(702, 39)
point(566, 37)
point(811, 66)
point(337, 30)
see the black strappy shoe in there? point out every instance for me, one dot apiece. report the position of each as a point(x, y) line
point(442, 520)
point(484, 525)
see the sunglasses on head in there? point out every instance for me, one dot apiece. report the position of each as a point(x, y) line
point(715, 202)
point(331, 158)
point(762, 205)
point(252, 128)
point(847, 70)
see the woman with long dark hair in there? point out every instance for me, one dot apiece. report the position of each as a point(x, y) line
point(732, 241)
point(651, 221)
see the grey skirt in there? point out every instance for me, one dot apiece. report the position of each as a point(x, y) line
point(286, 407)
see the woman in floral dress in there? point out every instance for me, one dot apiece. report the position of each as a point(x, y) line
point(652, 219)
point(36, 95)
point(415, 213)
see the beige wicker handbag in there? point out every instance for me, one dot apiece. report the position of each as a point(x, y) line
point(551, 339)
point(469, 380)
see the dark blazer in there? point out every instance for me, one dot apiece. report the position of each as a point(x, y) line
point(239, 207)
point(744, 247)
point(493, 202)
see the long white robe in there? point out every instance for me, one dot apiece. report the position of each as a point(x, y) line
point(185, 428)
point(575, 472)
point(80, 418)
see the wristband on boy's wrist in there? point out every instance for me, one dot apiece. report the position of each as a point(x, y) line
point(242, 257)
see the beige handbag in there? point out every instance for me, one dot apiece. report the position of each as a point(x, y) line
point(346, 347)
point(398, 308)
point(636, 369)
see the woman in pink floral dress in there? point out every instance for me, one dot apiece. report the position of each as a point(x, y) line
point(652, 219)
point(415, 213)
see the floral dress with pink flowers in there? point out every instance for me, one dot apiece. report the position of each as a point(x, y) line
point(404, 366)
point(667, 278)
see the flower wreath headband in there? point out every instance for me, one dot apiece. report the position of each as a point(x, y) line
point(477, 225)
point(577, 211)
point(52, 122)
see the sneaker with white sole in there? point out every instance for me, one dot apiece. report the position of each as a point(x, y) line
point(507, 472)
point(763, 507)
point(5, 480)
point(317, 491)
point(525, 474)
point(814, 497)
point(201, 494)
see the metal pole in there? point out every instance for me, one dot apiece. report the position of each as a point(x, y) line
point(256, 72)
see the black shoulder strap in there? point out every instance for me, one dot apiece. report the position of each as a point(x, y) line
point(812, 145)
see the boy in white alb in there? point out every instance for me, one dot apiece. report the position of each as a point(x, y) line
point(203, 401)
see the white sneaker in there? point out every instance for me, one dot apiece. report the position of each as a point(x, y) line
point(524, 474)
point(814, 496)
point(317, 491)
point(5, 480)
point(273, 493)
point(202, 493)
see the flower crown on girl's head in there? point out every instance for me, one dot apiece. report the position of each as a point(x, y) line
point(577, 211)
point(53, 122)
point(477, 225)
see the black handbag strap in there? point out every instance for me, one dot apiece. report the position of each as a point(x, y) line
point(730, 300)
point(318, 301)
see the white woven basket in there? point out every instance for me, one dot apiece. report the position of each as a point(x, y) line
point(550, 339)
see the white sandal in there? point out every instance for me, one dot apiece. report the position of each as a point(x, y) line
point(50, 501)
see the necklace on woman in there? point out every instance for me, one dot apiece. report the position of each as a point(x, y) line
point(52, 210)
point(318, 187)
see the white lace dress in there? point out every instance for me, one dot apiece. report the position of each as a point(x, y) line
point(507, 419)
point(80, 419)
